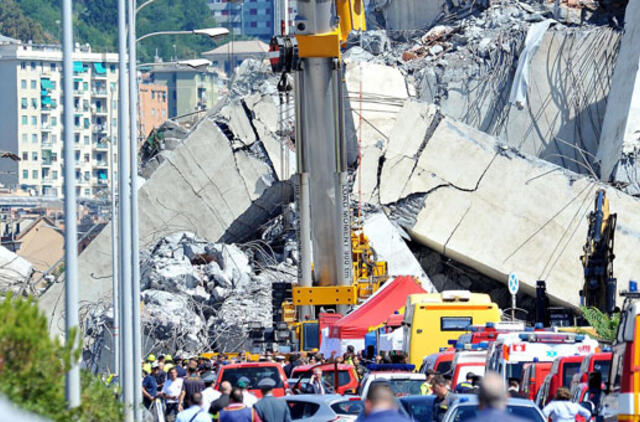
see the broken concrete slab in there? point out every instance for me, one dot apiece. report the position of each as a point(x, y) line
point(499, 211)
point(620, 138)
point(15, 272)
point(238, 122)
point(376, 94)
point(387, 240)
point(408, 14)
point(194, 189)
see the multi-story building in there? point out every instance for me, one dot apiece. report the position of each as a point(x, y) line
point(254, 18)
point(188, 89)
point(153, 108)
point(31, 117)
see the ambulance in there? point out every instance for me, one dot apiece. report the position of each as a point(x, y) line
point(510, 352)
point(432, 319)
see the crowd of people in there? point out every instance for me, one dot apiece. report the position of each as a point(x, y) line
point(184, 390)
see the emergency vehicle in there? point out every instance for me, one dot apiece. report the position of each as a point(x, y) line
point(562, 371)
point(438, 362)
point(468, 361)
point(622, 403)
point(489, 332)
point(510, 352)
point(533, 376)
point(432, 319)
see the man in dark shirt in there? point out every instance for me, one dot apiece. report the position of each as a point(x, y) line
point(223, 400)
point(192, 384)
point(441, 403)
point(150, 386)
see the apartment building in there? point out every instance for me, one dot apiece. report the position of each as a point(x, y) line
point(253, 18)
point(31, 117)
point(153, 108)
point(188, 89)
point(228, 56)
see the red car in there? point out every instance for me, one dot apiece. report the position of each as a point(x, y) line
point(347, 377)
point(533, 375)
point(254, 372)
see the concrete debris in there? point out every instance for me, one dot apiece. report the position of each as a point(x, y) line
point(15, 272)
point(199, 296)
point(253, 76)
point(506, 211)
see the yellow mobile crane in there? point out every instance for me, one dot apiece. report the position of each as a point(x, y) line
point(343, 268)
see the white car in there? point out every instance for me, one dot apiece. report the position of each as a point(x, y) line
point(402, 383)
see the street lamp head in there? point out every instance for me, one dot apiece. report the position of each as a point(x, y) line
point(212, 32)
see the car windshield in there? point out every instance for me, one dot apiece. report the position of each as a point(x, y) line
point(419, 410)
point(469, 411)
point(514, 370)
point(327, 377)
point(602, 366)
point(443, 367)
point(403, 387)
point(253, 373)
point(569, 370)
point(348, 407)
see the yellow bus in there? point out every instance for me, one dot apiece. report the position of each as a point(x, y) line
point(432, 319)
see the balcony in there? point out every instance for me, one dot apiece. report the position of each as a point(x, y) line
point(45, 127)
point(99, 93)
point(100, 164)
point(99, 128)
point(102, 111)
point(101, 146)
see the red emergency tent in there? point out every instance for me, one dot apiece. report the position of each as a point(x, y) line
point(376, 309)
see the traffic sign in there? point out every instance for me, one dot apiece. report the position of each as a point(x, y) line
point(513, 283)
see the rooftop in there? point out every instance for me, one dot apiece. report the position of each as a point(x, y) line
point(239, 47)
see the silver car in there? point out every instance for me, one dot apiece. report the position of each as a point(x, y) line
point(465, 407)
point(324, 408)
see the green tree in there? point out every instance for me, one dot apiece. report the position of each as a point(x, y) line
point(33, 366)
point(14, 23)
point(605, 327)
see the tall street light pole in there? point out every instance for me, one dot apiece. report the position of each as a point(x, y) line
point(124, 229)
point(72, 382)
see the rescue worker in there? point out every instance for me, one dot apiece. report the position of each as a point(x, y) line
point(441, 403)
point(191, 384)
point(150, 386)
point(425, 388)
point(562, 409)
point(247, 398)
point(466, 387)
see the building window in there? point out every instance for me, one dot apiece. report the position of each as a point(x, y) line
point(253, 24)
point(53, 83)
point(77, 174)
point(33, 65)
point(76, 138)
point(54, 138)
point(76, 121)
point(23, 84)
point(164, 114)
point(114, 122)
point(77, 155)
point(25, 156)
point(153, 95)
point(85, 86)
point(87, 124)
point(86, 158)
point(87, 192)
point(34, 138)
point(23, 65)
point(23, 103)
point(25, 174)
point(34, 156)
point(253, 12)
point(34, 103)
point(54, 121)
point(86, 138)
point(34, 174)
point(86, 175)
point(54, 157)
point(34, 84)
point(54, 174)
point(112, 68)
point(153, 112)
point(52, 66)
point(25, 138)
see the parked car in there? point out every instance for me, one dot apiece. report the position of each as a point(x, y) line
point(418, 408)
point(324, 408)
point(402, 383)
point(347, 379)
point(254, 372)
point(465, 407)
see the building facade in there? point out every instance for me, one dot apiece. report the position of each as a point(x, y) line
point(253, 18)
point(31, 118)
point(229, 55)
point(153, 108)
point(189, 89)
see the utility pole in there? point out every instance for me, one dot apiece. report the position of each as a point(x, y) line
point(72, 382)
point(135, 257)
point(114, 246)
point(124, 228)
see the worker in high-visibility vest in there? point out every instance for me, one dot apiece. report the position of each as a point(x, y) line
point(426, 388)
